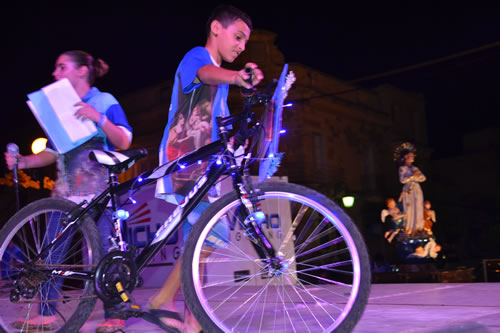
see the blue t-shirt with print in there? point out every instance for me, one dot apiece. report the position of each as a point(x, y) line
point(193, 109)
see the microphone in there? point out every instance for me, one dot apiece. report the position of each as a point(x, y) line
point(13, 150)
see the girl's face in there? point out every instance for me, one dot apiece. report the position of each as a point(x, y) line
point(181, 120)
point(66, 68)
point(409, 158)
point(427, 205)
point(391, 203)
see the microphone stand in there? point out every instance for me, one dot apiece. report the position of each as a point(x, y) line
point(16, 186)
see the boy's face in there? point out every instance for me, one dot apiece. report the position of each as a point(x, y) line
point(231, 41)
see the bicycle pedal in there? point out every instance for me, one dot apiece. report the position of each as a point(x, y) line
point(122, 292)
point(134, 310)
point(128, 303)
point(125, 310)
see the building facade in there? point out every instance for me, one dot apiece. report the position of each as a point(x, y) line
point(339, 140)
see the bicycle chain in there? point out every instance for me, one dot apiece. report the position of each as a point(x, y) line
point(64, 300)
point(62, 265)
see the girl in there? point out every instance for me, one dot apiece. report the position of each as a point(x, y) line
point(78, 178)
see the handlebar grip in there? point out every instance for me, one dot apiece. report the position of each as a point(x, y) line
point(249, 72)
point(247, 92)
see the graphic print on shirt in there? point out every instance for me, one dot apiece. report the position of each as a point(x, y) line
point(190, 130)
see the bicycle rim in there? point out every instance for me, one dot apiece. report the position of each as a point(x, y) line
point(314, 286)
point(66, 299)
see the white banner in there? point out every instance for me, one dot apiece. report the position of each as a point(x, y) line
point(147, 215)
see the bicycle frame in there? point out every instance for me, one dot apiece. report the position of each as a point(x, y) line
point(221, 160)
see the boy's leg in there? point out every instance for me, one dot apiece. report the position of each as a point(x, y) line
point(165, 297)
point(191, 324)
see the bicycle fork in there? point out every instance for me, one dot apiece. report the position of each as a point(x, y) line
point(251, 220)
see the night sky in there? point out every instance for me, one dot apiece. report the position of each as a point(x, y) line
point(350, 40)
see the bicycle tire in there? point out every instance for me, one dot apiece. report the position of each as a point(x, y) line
point(321, 285)
point(26, 232)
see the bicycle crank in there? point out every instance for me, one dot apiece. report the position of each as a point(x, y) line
point(116, 276)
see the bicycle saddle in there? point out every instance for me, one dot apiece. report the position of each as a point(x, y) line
point(117, 161)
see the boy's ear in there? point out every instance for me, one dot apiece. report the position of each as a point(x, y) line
point(215, 27)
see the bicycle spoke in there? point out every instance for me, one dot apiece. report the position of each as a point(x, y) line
point(322, 247)
point(317, 234)
point(309, 286)
point(292, 228)
point(254, 299)
point(70, 300)
point(303, 302)
point(326, 267)
point(320, 303)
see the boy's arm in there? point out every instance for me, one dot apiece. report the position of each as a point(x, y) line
point(213, 75)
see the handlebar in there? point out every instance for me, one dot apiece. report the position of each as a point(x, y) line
point(270, 125)
point(245, 117)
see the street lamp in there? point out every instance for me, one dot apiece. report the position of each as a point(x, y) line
point(348, 201)
point(38, 145)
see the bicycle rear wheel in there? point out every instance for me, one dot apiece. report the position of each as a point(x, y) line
point(70, 301)
point(319, 280)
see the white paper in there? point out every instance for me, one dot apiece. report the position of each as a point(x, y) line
point(63, 97)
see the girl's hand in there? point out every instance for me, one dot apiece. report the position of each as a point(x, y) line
point(87, 112)
point(10, 160)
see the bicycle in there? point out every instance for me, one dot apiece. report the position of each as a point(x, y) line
point(306, 266)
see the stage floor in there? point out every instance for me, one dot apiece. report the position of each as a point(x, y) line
point(405, 307)
point(432, 307)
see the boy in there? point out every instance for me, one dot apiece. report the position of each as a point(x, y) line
point(199, 95)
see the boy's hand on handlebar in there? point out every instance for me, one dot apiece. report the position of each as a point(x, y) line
point(243, 76)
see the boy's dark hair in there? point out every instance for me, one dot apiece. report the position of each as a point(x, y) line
point(227, 14)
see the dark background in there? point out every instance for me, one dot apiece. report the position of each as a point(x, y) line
point(448, 52)
point(350, 40)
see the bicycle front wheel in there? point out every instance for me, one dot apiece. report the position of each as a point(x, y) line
point(319, 280)
point(64, 303)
